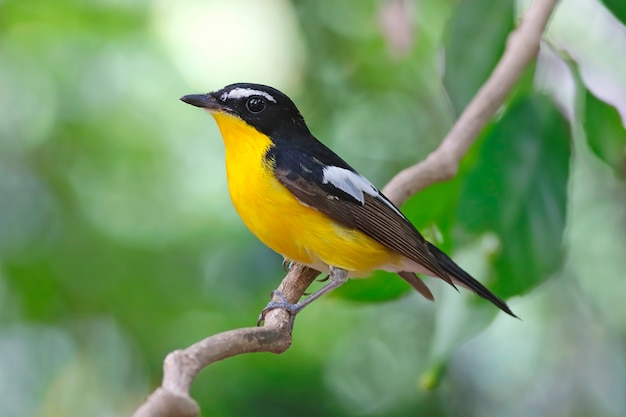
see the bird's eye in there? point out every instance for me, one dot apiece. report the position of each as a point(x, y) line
point(255, 104)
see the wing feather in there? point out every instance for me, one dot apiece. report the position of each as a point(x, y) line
point(376, 217)
point(320, 179)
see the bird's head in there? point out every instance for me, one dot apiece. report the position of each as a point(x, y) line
point(265, 108)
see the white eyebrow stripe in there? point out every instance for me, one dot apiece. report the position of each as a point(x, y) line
point(241, 92)
point(353, 184)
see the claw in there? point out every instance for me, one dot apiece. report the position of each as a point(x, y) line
point(324, 279)
point(284, 304)
point(337, 277)
point(287, 264)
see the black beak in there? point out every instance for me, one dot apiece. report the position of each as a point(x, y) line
point(205, 101)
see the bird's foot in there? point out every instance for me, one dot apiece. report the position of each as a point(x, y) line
point(337, 277)
point(283, 304)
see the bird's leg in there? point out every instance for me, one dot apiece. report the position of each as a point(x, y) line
point(337, 277)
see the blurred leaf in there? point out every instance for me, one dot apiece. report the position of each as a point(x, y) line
point(27, 208)
point(617, 7)
point(459, 315)
point(434, 207)
point(31, 356)
point(399, 118)
point(518, 190)
point(57, 22)
point(477, 36)
point(605, 132)
point(372, 370)
point(380, 286)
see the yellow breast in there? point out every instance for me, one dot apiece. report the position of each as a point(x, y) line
point(279, 220)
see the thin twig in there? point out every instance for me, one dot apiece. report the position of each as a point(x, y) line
point(181, 367)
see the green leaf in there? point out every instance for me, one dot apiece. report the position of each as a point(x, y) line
point(460, 315)
point(434, 206)
point(477, 36)
point(512, 186)
point(605, 132)
point(380, 286)
point(518, 190)
point(617, 7)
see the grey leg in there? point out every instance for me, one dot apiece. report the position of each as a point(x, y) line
point(337, 277)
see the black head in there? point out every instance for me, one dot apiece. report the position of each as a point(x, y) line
point(262, 107)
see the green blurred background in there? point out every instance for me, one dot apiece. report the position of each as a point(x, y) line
point(118, 241)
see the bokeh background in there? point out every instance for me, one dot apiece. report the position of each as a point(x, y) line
point(118, 242)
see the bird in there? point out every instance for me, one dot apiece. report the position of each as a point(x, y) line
point(306, 203)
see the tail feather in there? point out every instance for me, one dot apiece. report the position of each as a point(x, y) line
point(418, 284)
point(463, 278)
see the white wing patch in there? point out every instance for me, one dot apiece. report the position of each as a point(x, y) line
point(353, 184)
point(349, 182)
point(246, 92)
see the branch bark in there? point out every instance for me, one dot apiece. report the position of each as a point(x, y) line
point(181, 367)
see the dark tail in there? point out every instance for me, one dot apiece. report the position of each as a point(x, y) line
point(418, 284)
point(463, 278)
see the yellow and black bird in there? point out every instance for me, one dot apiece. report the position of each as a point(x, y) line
point(306, 203)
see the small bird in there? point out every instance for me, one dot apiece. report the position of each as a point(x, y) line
point(306, 203)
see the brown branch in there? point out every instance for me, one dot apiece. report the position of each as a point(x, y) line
point(180, 367)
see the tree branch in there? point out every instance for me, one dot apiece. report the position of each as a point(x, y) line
point(443, 163)
point(181, 367)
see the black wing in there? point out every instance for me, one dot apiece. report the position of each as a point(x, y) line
point(368, 212)
point(350, 200)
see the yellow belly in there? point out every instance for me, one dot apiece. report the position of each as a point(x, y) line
point(299, 233)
